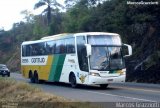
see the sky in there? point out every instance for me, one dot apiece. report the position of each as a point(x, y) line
point(10, 11)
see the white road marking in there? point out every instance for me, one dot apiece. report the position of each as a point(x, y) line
point(146, 100)
point(135, 89)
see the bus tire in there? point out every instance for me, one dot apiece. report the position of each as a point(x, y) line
point(103, 86)
point(37, 80)
point(31, 77)
point(72, 80)
point(36, 77)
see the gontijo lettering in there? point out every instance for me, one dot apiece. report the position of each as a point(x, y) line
point(38, 60)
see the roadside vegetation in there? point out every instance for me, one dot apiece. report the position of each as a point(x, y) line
point(19, 94)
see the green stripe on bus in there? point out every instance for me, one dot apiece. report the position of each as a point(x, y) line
point(59, 67)
point(56, 68)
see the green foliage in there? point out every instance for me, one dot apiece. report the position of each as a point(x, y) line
point(56, 26)
point(152, 60)
point(52, 6)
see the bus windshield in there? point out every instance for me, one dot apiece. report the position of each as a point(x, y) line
point(105, 58)
point(106, 53)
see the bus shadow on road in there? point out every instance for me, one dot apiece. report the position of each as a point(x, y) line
point(83, 87)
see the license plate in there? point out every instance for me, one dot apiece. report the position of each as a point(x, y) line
point(110, 80)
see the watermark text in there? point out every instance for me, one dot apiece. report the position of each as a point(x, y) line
point(142, 3)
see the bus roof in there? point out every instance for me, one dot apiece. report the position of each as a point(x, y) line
point(55, 36)
point(95, 33)
point(48, 38)
point(63, 35)
point(79, 34)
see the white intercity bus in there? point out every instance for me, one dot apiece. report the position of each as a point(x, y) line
point(91, 58)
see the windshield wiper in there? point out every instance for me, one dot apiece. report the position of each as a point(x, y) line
point(104, 65)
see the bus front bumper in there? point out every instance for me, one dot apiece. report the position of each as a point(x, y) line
point(106, 80)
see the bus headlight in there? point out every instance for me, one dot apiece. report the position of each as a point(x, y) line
point(94, 74)
point(122, 72)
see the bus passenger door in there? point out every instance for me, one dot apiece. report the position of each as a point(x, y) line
point(82, 60)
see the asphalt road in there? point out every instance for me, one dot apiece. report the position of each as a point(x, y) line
point(126, 92)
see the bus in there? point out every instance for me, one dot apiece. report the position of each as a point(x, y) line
point(90, 58)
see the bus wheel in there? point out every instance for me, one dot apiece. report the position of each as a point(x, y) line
point(103, 86)
point(72, 80)
point(31, 77)
point(36, 77)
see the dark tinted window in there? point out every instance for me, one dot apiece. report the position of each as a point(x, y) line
point(60, 47)
point(50, 47)
point(38, 49)
point(82, 53)
point(28, 50)
point(70, 45)
point(23, 50)
point(42, 49)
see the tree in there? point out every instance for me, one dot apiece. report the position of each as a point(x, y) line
point(70, 3)
point(52, 5)
point(28, 16)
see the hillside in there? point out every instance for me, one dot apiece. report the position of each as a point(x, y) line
point(138, 25)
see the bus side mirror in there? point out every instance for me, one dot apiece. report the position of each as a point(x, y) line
point(89, 49)
point(129, 50)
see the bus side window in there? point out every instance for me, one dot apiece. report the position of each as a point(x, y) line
point(82, 53)
point(24, 50)
point(28, 50)
point(38, 49)
point(60, 47)
point(42, 50)
point(50, 47)
point(34, 50)
point(70, 45)
point(57, 48)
